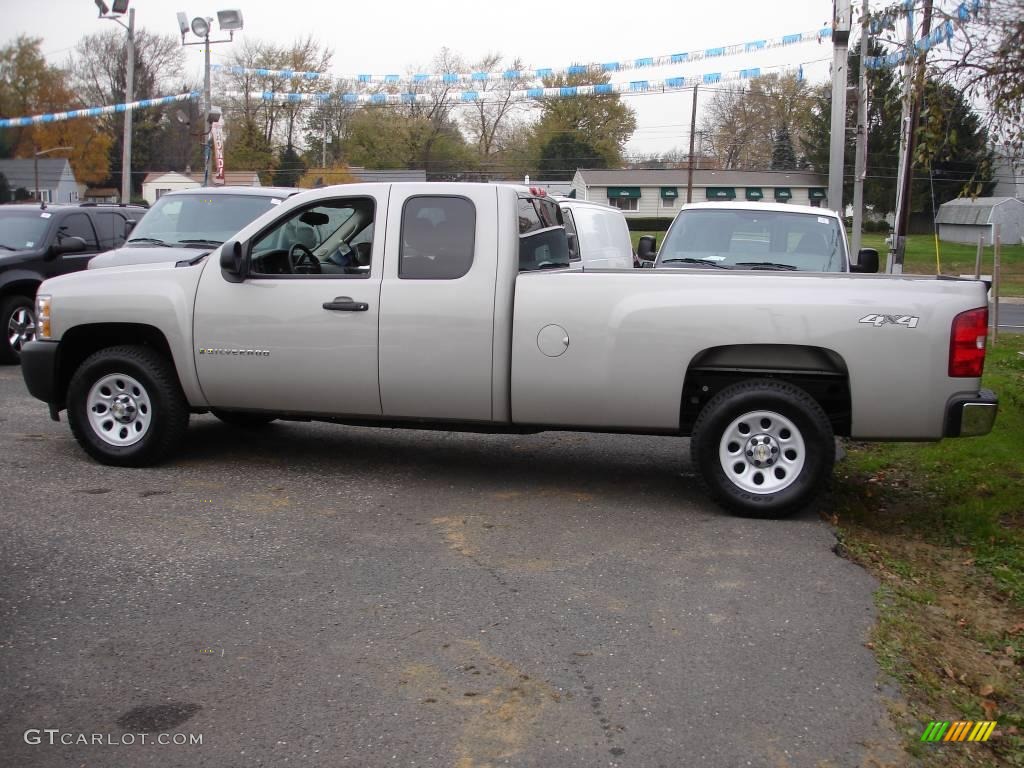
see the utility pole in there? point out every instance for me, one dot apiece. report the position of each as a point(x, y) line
point(207, 107)
point(911, 110)
point(129, 92)
point(693, 133)
point(860, 162)
point(841, 12)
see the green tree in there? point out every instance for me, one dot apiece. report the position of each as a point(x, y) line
point(564, 153)
point(290, 168)
point(783, 154)
point(602, 122)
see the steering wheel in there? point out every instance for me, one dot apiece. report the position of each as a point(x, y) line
point(302, 261)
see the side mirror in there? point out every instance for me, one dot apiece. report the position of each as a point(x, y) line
point(867, 261)
point(647, 248)
point(574, 245)
point(232, 262)
point(69, 244)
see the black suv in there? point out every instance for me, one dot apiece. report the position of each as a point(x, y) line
point(39, 242)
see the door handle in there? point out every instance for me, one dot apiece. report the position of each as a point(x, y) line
point(345, 304)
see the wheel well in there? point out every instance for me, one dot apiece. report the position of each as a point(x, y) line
point(83, 340)
point(820, 372)
point(26, 288)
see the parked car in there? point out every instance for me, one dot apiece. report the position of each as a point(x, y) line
point(598, 235)
point(759, 236)
point(41, 241)
point(180, 223)
point(466, 317)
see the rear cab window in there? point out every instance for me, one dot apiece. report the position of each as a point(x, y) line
point(542, 236)
point(438, 238)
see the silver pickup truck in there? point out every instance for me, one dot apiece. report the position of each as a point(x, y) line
point(451, 306)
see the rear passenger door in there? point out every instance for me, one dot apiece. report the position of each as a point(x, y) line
point(437, 302)
point(112, 228)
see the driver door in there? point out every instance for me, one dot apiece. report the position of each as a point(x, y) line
point(299, 333)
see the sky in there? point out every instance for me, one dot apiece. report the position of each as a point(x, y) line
point(396, 36)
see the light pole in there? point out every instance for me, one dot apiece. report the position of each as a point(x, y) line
point(114, 14)
point(229, 21)
point(35, 164)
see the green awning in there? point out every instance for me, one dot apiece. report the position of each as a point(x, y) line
point(721, 193)
point(669, 193)
point(783, 193)
point(816, 193)
point(754, 193)
point(617, 192)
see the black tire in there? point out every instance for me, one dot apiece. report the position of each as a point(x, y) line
point(243, 420)
point(13, 309)
point(164, 405)
point(788, 450)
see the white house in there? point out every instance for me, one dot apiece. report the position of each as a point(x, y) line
point(154, 185)
point(658, 193)
point(964, 220)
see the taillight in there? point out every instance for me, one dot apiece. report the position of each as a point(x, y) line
point(967, 343)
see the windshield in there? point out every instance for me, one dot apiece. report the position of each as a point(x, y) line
point(22, 230)
point(198, 219)
point(751, 239)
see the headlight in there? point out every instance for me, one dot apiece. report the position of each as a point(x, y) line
point(43, 316)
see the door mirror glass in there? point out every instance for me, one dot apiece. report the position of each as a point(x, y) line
point(867, 261)
point(647, 248)
point(232, 265)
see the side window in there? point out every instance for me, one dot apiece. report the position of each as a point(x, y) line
point(438, 238)
point(112, 229)
point(332, 238)
point(572, 235)
point(78, 225)
point(529, 219)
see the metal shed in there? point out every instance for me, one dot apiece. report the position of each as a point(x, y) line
point(964, 219)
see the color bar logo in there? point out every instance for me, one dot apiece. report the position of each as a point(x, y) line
point(959, 730)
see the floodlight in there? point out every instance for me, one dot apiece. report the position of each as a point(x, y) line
point(200, 27)
point(214, 115)
point(119, 6)
point(104, 10)
point(181, 117)
point(229, 20)
point(182, 22)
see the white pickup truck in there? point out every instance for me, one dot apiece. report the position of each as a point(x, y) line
point(451, 306)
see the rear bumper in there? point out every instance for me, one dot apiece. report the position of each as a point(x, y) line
point(971, 415)
point(39, 369)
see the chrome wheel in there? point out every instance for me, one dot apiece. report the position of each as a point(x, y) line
point(21, 328)
point(119, 408)
point(762, 452)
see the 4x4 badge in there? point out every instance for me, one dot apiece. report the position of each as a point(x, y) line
point(908, 321)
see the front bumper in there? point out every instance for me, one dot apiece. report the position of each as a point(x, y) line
point(39, 369)
point(970, 415)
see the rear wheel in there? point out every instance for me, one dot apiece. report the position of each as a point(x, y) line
point(126, 407)
point(18, 322)
point(763, 448)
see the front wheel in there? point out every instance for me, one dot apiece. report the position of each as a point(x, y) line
point(126, 407)
point(18, 321)
point(763, 448)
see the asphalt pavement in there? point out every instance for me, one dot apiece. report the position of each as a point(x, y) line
point(320, 595)
point(1011, 315)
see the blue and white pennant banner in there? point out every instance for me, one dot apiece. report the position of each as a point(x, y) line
point(753, 46)
point(471, 96)
point(943, 33)
point(55, 117)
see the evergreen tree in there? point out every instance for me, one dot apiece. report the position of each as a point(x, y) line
point(783, 155)
point(290, 168)
point(564, 153)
